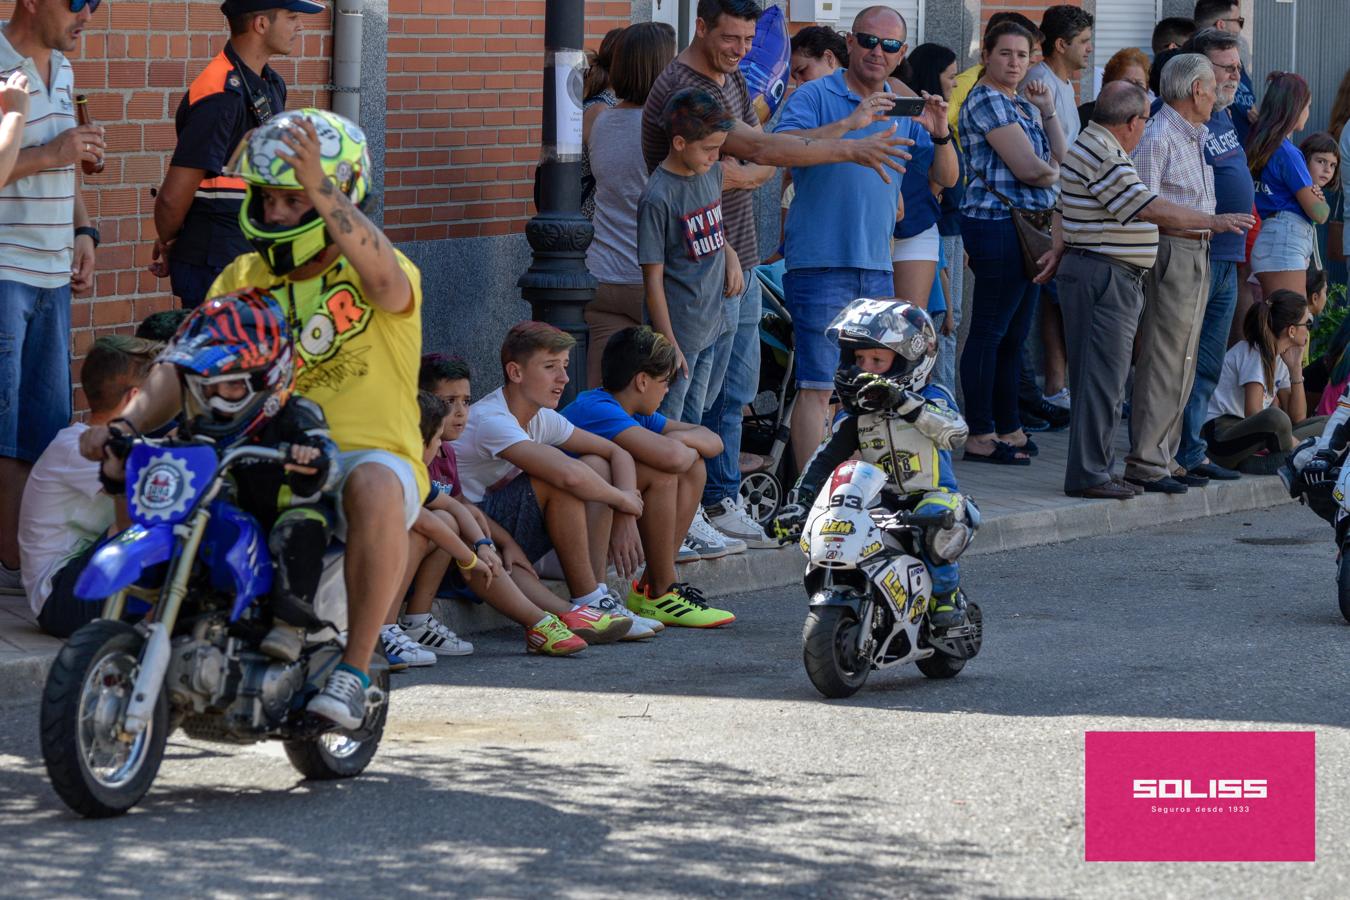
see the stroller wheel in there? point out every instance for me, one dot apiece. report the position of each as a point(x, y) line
point(763, 495)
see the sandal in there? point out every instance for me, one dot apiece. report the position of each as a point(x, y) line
point(1029, 448)
point(1004, 454)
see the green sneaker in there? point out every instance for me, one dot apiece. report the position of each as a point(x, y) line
point(681, 604)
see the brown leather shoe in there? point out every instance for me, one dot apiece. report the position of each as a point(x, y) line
point(1116, 479)
point(1106, 491)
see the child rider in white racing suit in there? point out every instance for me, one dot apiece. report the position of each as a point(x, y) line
point(896, 420)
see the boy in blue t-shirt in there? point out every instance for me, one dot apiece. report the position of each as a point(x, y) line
point(636, 371)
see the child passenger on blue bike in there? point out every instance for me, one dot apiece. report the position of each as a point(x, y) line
point(235, 361)
point(898, 421)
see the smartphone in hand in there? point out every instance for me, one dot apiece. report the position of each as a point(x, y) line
point(907, 106)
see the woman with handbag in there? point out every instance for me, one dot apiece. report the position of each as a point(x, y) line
point(1013, 146)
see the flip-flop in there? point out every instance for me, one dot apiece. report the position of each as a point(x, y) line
point(1004, 454)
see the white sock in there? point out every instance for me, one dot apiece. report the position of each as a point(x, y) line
point(414, 621)
point(542, 622)
point(597, 594)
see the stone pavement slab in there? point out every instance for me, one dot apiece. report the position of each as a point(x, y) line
point(1022, 506)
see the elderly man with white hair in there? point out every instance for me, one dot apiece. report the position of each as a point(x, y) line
point(1170, 160)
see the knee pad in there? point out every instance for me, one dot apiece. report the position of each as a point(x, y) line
point(944, 545)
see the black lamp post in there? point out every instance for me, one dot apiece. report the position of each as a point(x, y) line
point(557, 285)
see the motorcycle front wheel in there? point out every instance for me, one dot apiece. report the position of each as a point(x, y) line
point(829, 642)
point(342, 754)
point(1343, 584)
point(95, 768)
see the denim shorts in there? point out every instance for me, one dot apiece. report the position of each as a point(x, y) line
point(34, 367)
point(814, 298)
point(1284, 244)
point(516, 508)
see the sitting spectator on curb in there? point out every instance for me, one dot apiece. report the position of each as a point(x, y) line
point(636, 372)
point(66, 513)
point(514, 463)
point(1258, 407)
point(445, 529)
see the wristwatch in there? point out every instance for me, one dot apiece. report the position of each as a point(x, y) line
point(89, 230)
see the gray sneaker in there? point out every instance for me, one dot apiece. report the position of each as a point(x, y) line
point(342, 700)
point(734, 523)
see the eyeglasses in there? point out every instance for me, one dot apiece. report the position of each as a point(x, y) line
point(1239, 21)
point(1307, 324)
point(77, 5)
point(1234, 69)
point(869, 41)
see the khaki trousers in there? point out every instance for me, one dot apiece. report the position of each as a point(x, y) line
point(1175, 293)
point(615, 307)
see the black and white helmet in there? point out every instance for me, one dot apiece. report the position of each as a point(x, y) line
point(891, 325)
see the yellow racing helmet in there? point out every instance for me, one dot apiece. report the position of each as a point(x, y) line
point(346, 161)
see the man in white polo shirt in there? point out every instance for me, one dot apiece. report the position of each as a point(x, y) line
point(48, 246)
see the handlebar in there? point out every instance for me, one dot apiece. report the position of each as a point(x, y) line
point(280, 454)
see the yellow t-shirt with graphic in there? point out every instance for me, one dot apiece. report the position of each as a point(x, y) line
point(358, 362)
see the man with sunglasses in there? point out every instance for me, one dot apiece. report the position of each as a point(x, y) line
point(1234, 192)
point(197, 207)
point(46, 248)
point(1226, 16)
point(1107, 234)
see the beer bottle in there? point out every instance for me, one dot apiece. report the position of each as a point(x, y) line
point(82, 117)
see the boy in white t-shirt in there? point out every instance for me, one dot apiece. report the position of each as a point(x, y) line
point(65, 512)
point(514, 462)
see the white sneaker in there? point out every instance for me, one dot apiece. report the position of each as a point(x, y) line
point(433, 635)
point(642, 627)
point(687, 554)
point(730, 518)
point(1060, 398)
point(707, 541)
point(396, 641)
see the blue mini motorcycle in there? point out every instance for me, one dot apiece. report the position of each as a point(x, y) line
point(196, 565)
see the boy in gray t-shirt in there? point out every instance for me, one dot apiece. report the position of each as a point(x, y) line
point(687, 264)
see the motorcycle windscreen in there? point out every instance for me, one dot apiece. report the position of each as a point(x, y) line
point(235, 551)
point(121, 562)
point(163, 482)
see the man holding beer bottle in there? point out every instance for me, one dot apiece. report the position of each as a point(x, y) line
point(197, 207)
point(46, 247)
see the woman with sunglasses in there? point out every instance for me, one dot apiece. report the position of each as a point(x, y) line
point(1258, 405)
point(1013, 146)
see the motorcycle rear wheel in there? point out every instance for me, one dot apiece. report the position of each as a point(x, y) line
point(83, 709)
point(828, 641)
point(340, 754)
point(1343, 584)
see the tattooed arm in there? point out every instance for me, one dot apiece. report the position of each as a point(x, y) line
point(364, 245)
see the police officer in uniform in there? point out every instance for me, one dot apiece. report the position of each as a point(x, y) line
point(197, 207)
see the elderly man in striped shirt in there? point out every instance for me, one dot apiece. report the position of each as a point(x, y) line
point(1107, 237)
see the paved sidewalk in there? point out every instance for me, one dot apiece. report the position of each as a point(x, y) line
point(1023, 506)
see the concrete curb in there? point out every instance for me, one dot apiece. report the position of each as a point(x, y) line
point(1058, 521)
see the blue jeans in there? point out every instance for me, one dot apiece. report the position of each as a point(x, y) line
point(814, 298)
point(1209, 353)
point(1001, 312)
point(739, 383)
point(34, 367)
point(689, 395)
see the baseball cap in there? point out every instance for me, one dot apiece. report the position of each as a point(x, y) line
point(232, 8)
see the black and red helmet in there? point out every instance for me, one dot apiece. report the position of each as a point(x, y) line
point(238, 340)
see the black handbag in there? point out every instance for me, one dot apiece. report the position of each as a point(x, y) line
point(1034, 231)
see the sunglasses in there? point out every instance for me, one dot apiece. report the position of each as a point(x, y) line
point(1240, 22)
point(77, 5)
point(869, 41)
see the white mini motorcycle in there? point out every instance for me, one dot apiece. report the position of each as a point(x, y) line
point(870, 588)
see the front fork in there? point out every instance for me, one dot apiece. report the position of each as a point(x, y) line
point(155, 656)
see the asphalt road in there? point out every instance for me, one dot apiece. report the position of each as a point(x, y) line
point(706, 764)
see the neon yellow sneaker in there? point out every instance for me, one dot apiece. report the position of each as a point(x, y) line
point(682, 604)
point(552, 638)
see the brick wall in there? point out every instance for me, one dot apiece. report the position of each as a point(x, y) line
point(464, 112)
point(1032, 9)
point(135, 63)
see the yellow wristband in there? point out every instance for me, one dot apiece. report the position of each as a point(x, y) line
point(464, 568)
